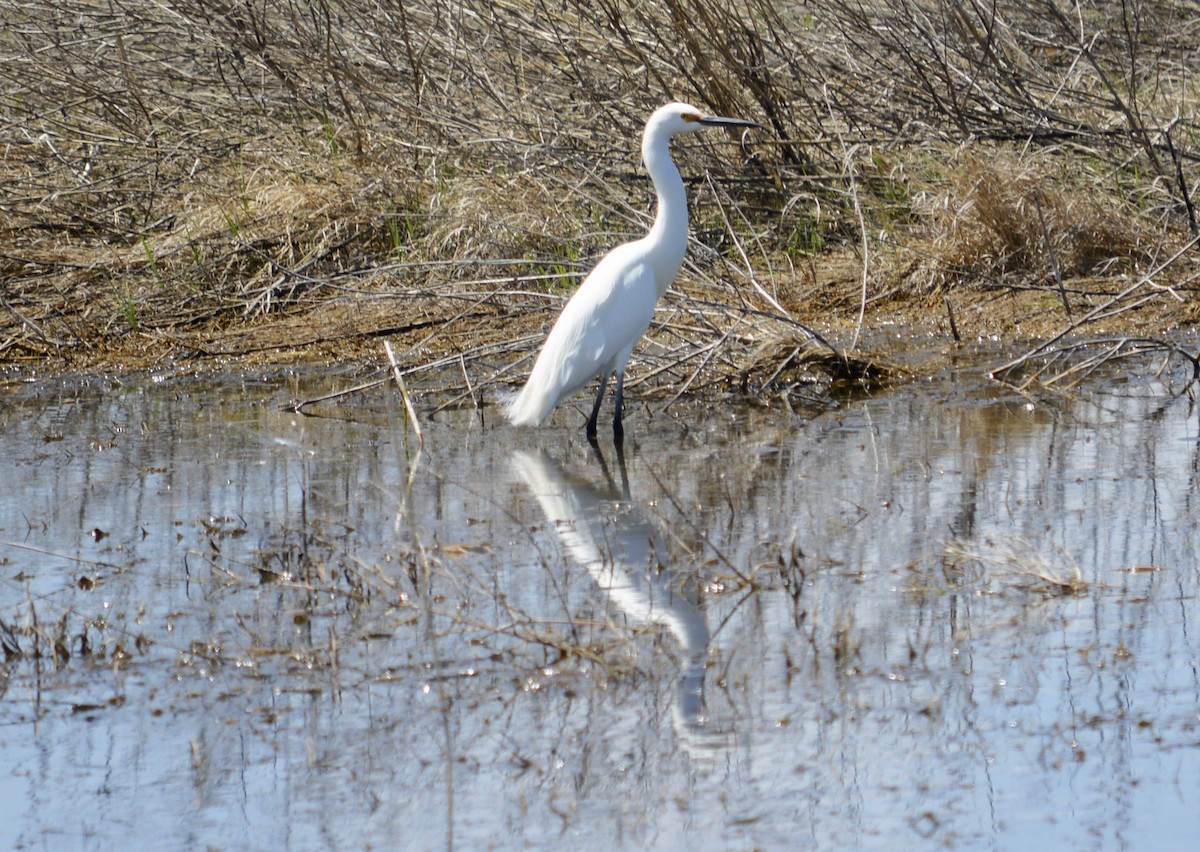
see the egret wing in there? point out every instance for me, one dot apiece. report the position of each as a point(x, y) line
point(603, 320)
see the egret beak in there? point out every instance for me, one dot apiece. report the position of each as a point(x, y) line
point(718, 121)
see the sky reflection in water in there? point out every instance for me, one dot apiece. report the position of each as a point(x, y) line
point(849, 629)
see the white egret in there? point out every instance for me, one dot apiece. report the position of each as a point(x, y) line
point(600, 324)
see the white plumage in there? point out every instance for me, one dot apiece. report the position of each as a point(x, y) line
point(599, 326)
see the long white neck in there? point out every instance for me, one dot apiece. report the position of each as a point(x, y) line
point(668, 236)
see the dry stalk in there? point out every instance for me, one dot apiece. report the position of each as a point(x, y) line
point(413, 421)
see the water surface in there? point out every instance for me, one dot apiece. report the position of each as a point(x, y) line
point(947, 615)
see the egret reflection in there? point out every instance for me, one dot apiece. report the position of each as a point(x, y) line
point(624, 553)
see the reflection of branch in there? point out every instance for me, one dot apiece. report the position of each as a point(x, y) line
point(444, 702)
point(703, 535)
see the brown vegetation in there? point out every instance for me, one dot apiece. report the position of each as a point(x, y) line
point(290, 180)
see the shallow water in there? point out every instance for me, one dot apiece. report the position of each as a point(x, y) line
point(945, 615)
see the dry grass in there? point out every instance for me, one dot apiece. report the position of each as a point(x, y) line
point(182, 179)
point(1018, 220)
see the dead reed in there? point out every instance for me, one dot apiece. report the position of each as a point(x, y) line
point(286, 179)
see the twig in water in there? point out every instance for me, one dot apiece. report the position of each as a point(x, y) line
point(1003, 372)
point(721, 557)
point(950, 313)
point(298, 407)
point(408, 406)
point(462, 365)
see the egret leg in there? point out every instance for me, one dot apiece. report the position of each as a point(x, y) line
point(619, 403)
point(591, 424)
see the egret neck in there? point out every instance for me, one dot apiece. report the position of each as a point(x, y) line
point(669, 234)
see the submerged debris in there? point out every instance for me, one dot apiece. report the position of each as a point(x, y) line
point(1065, 365)
point(790, 359)
point(997, 563)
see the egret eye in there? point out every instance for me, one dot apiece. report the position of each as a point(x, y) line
point(691, 116)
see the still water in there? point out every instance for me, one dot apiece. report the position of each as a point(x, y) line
point(945, 615)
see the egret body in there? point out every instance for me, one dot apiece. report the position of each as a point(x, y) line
point(606, 317)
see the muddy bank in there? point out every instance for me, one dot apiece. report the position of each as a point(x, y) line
point(494, 330)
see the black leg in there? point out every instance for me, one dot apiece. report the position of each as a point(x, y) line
point(591, 424)
point(619, 404)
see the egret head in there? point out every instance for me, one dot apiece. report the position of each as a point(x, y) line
point(684, 118)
